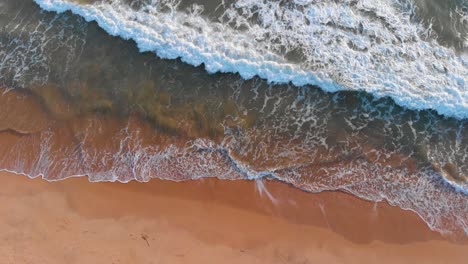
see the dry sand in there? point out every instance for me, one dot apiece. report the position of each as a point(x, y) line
point(206, 221)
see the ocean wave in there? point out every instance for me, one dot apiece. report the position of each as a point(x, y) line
point(124, 157)
point(113, 114)
point(374, 46)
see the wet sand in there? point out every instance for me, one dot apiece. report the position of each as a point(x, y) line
point(206, 221)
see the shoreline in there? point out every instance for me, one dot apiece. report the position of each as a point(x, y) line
point(206, 220)
point(111, 154)
point(455, 237)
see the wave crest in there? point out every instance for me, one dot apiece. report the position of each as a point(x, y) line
point(338, 45)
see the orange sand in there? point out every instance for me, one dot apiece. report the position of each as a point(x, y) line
point(207, 221)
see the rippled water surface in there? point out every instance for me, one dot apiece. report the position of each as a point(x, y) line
point(77, 101)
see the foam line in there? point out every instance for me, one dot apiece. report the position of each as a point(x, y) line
point(372, 46)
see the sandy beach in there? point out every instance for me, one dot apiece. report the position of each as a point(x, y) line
point(201, 221)
point(151, 132)
point(206, 221)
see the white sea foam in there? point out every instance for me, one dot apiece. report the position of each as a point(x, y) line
point(443, 209)
point(370, 45)
point(25, 51)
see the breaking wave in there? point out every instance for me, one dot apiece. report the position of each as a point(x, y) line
point(373, 45)
point(79, 102)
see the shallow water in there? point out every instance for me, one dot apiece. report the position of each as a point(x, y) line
point(80, 102)
point(448, 19)
point(382, 47)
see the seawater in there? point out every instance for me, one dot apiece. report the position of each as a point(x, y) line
point(367, 97)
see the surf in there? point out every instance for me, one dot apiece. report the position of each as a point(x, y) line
point(372, 46)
